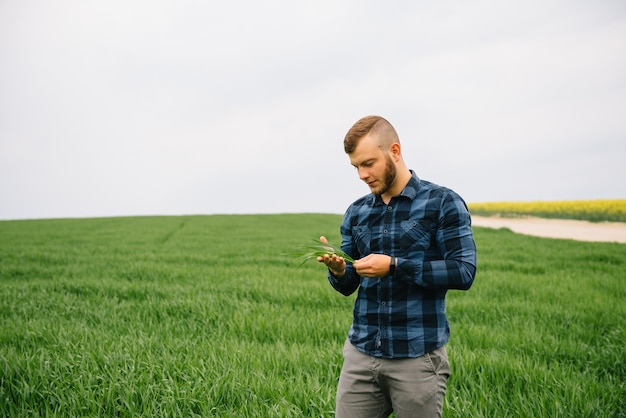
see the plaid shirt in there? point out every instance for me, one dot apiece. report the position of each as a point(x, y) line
point(428, 228)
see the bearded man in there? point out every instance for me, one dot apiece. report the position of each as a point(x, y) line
point(411, 241)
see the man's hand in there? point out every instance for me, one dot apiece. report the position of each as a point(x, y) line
point(336, 265)
point(373, 265)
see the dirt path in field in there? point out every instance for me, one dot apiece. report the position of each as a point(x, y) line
point(557, 228)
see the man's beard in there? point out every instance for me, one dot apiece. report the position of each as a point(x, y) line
point(389, 177)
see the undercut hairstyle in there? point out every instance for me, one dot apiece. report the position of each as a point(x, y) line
point(375, 125)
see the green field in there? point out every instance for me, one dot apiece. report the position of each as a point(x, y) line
point(204, 316)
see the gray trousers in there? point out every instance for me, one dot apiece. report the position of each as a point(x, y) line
point(371, 387)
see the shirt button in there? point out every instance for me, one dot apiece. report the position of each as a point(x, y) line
point(389, 208)
point(385, 231)
point(384, 303)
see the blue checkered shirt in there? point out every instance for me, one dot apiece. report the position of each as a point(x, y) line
point(428, 228)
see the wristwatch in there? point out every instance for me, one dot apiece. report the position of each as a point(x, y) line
point(392, 266)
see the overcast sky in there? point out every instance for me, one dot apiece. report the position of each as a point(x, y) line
point(112, 108)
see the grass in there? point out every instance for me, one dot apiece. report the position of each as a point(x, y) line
point(203, 316)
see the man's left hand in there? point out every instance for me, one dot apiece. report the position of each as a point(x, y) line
point(373, 265)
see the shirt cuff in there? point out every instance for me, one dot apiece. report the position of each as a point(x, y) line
point(334, 278)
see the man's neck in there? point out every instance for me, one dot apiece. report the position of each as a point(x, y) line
point(402, 179)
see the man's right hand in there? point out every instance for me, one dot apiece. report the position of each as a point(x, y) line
point(336, 265)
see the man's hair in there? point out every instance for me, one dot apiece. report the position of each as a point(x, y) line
point(376, 125)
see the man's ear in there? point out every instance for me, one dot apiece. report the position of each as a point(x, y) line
point(394, 150)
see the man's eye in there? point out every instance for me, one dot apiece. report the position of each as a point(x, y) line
point(366, 165)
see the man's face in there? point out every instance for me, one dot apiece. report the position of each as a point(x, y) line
point(375, 167)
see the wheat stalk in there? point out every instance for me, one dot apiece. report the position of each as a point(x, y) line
point(319, 249)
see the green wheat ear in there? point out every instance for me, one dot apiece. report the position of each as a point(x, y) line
point(310, 252)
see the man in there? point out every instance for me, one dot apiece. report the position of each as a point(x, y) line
point(411, 241)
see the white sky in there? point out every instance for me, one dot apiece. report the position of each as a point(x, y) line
point(143, 107)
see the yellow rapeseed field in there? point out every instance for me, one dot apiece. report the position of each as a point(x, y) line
point(600, 210)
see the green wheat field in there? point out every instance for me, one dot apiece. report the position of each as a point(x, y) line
point(205, 316)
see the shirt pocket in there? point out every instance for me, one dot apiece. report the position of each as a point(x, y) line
point(416, 234)
point(362, 238)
